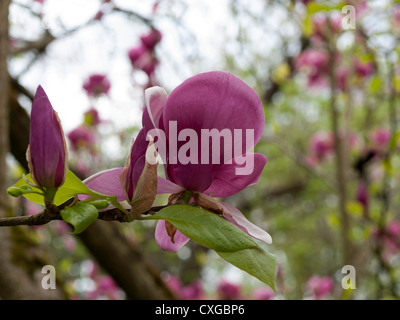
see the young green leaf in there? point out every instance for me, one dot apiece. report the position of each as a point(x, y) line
point(80, 216)
point(255, 261)
point(71, 187)
point(228, 240)
point(206, 228)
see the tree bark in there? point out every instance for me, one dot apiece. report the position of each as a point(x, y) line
point(123, 259)
point(15, 282)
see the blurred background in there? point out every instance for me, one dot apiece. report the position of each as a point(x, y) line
point(328, 75)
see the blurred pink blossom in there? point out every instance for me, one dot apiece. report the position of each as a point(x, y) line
point(320, 287)
point(97, 84)
point(105, 288)
point(91, 117)
point(341, 79)
point(322, 30)
point(396, 15)
point(143, 59)
point(263, 293)
point(193, 291)
point(151, 39)
point(82, 137)
point(363, 69)
point(390, 236)
point(362, 195)
point(314, 63)
point(380, 138)
point(321, 144)
point(228, 291)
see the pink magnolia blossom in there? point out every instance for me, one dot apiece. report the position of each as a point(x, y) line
point(322, 30)
point(143, 59)
point(315, 63)
point(82, 137)
point(105, 288)
point(362, 195)
point(47, 153)
point(151, 39)
point(390, 236)
point(91, 117)
point(228, 291)
point(363, 69)
point(96, 85)
point(321, 145)
point(192, 291)
point(396, 15)
point(341, 79)
point(380, 138)
point(320, 287)
point(212, 100)
point(263, 293)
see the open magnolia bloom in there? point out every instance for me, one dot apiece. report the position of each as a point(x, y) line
point(203, 132)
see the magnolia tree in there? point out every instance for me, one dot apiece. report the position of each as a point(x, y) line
point(314, 89)
point(205, 108)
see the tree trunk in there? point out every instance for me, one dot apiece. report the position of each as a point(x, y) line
point(15, 283)
point(123, 259)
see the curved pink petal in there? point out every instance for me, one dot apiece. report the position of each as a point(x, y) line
point(155, 98)
point(227, 182)
point(166, 186)
point(241, 221)
point(107, 182)
point(164, 240)
point(209, 101)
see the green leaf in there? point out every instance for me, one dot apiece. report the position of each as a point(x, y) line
point(206, 228)
point(72, 186)
point(228, 240)
point(255, 261)
point(23, 189)
point(80, 216)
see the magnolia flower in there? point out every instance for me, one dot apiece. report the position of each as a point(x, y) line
point(315, 63)
point(82, 137)
point(390, 236)
point(92, 118)
point(263, 293)
point(206, 102)
point(320, 287)
point(151, 39)
point(363, 69)
point(380, 138)
point(143, 59)
point(320, 146)
point(192, 291)
point(228, 291)
point(396, 15)
point(47, 153)
point(322, 30)
point(96, 85)
point(362, 195)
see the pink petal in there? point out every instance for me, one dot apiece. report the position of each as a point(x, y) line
point(166, 186)
point(47, 153)
point(241, 221)
point(155, 98)
point(226, 182)
point(107, 182)
point(213, 100)
point(164, 240)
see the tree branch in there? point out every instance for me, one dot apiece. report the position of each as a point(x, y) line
point(54, 213)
